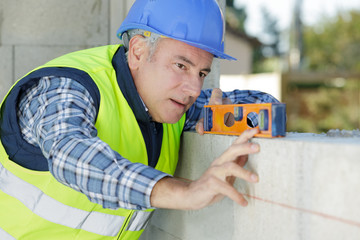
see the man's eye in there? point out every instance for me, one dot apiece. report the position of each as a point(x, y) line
point(179, 65)
point(202, 75)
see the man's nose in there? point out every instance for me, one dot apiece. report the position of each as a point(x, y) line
point(193, 86)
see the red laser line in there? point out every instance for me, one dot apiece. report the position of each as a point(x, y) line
point(324, 215)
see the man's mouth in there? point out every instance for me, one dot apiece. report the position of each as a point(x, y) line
point(180, 104)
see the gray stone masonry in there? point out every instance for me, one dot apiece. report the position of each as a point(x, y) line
point(308, 190)
point(33, 32)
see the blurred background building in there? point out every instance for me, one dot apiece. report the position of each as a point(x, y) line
point(304, 52)
point(308, 56)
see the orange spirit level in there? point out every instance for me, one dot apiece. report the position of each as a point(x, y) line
point(233, 119)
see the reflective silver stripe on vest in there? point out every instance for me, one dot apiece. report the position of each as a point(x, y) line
point(55, 211)
point(5, 236)
point(139, 221)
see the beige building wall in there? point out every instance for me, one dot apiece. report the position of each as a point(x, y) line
point(242, 51)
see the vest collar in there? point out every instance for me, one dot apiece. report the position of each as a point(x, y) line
point(152, 131)
point(127, 86)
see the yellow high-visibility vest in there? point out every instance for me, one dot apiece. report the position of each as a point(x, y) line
point(35, 206)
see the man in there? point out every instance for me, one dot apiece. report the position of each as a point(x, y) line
point(90, 140)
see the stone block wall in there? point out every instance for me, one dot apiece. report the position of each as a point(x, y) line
point(308, 190)
point(33, 32)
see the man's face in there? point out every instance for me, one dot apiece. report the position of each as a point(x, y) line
point(171, 80)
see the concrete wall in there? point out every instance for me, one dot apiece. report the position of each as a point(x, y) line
point(309, 189)
point(33, 32)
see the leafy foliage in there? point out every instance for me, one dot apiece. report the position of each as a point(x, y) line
point(327, 106)
point(235, 17)
point(334, 44)
point(331, 46)
point(266, 56)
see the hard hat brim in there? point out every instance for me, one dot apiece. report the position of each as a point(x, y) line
point(216, 53)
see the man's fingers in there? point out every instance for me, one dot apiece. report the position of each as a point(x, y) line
point(224, 177)
point(225, 189)
point(216, 97)
point(239, 172)
point(246, 135)
point(200, 126)
point(232, 169)
point(235, 151)
point(226, 101)
point(241, 161)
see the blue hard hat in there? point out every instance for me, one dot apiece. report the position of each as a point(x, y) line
point(199, 23)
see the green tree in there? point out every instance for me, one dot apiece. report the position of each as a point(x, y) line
point(235, 17)
point(334, 43)
point(271, 34)
point(266, 56)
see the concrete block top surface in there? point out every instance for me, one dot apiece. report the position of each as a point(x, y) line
point(332, 136)
point(342, 137)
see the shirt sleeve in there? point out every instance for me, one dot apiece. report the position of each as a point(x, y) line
point(58, 115)
point(194, 114)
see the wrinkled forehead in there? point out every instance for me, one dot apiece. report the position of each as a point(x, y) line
point(180, 51)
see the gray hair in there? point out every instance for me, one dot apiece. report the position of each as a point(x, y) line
point(151, 40)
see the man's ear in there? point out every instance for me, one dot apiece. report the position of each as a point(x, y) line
point(136, 52)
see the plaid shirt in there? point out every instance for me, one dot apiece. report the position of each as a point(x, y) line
point(58, 115)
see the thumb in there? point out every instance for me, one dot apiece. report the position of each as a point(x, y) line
point(216, 97)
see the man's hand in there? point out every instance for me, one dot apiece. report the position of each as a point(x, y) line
point(214, 184)
point(215, 99)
